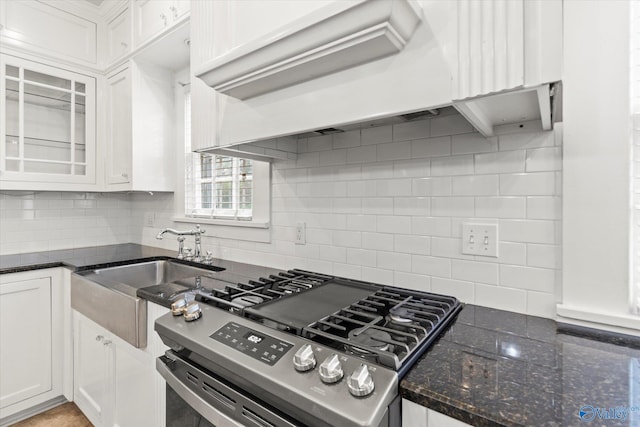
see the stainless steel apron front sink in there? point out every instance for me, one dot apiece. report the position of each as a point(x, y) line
point(108, 295)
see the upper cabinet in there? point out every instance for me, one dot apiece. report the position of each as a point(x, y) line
point(118, 37)
point(153, 17)
point(47, 134)
point(140, 152)
point(47, 30)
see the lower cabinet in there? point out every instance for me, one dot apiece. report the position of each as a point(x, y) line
point(414, 415)
point(32, 341)
point(116, 384)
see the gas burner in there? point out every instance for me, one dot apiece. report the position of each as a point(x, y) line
point(400, 315)
point(369, 337)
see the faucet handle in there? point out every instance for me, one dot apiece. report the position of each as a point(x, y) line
point(208, 259)
point(187, 254)
point(199, 230)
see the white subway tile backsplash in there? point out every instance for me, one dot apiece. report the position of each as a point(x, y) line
point(320, 143)
point(418, 245)
point(501, 298)
point(415, 206)
point(377, 241)
point(471, 143)
point(362, 257)
point(528, 231)
point(430, 265)
point(440, 186)
point(475, 185)
point(378, 205)
point(363, 154)
point(474, 271)
point(541, 304)
point(394, 224)
point(529, 278)
point(394, 151)
point(411, 130)
point(362, 188)
point(431, 147)
point(348, 239)
point(394, 187)
point(346, 139)
point(455, 165)
point(544, 159)
point(545, 256)
point(394, 261)
point(500, 207)
point(411, 168)
point(528, 184)
point(544, 207)
point(448, 247)
point(464, 291)
point(333, 157)
point(382, 170)
point(452, 206)
point(377, 135)
point(348, 205)
point(361, 222)
point(411, 281)
point(347, 270)
point(377, 275)
point(522, 141)
point(500, 162)
point(431, 226)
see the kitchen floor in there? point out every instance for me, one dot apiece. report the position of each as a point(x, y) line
point(65, 415)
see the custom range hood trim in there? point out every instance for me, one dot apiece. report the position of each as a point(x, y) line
point(334, 38)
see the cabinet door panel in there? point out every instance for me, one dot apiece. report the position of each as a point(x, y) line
point(119, 36)
point(134, 375)
point(91, 360)
point(150, 17)
point(25, 341)
point(119, 128)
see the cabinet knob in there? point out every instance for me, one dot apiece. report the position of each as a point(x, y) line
point(106, 342)
point(164, 18)
point(124, 175)
point(124, 45)
point(99, 338)
point(174, 10)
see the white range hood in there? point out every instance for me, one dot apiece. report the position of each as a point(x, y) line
point(349, 62)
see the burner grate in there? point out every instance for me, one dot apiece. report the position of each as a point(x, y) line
point(398, 324)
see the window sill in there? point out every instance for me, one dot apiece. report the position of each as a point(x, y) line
point(223, 222)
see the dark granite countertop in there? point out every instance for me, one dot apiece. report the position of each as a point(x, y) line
point(498, 368)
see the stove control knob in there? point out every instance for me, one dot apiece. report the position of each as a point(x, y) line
point(177, 308)
point(331, 370)
point(304, 360)
point(360, 382)
point(192, 312)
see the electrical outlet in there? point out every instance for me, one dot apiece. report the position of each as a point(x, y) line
point(301, 233)
point(149, 219)
point(480, 239)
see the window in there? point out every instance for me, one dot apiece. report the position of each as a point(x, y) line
point(220, 187)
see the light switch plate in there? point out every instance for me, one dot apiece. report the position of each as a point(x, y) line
point(480, 239)
point(149, 219)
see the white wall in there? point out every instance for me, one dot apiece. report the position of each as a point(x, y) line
point(386, 205)
point(40, 221)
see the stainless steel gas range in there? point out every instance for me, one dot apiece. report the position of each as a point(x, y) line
point(295, 349)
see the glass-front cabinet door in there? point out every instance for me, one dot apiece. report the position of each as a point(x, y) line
point(48, 126)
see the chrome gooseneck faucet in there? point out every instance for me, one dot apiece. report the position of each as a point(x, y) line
point(197, 254)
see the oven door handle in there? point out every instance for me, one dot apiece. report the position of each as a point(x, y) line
point(196, 402)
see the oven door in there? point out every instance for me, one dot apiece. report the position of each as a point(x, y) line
point(195, 395)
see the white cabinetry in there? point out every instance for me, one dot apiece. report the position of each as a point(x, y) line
point(118, 37)
point(140, 132)
point(47, 132)
point(152, 17)
point(414, 415)
point(116, 384)
point(32, 340)
point(44, 29)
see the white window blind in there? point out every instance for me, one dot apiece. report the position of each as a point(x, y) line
point(216, 186)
